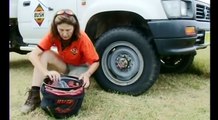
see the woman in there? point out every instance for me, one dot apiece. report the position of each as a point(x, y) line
point(76, 56)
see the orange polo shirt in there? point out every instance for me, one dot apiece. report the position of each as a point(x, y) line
point(81, 51)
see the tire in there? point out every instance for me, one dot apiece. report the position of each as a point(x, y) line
point(176, 64)
point(15, 41)
point(128, 63)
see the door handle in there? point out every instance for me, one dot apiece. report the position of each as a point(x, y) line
point(26, 3)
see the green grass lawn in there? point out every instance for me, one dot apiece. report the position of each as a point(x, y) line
point(207, 37)
point(173, 97)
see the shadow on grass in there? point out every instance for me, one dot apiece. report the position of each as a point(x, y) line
point(20, 63)
point(197, 71)
point(194, 70)
point(195, 77)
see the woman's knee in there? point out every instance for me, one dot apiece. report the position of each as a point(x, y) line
point(53, 60)
point(47, 56)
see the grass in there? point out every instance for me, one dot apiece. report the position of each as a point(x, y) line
point(173, 97)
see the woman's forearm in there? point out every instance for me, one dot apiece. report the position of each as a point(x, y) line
point(92, 68)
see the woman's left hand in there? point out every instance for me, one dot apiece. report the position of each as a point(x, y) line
point(85, 77)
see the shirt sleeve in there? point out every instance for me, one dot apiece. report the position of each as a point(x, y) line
point(46, 42)
point(89, 52)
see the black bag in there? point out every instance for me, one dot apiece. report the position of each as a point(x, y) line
point(63, 98)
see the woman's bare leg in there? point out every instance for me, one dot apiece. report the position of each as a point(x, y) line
point(48, 58)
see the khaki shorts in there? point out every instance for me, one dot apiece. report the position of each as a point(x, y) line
point(76, 70)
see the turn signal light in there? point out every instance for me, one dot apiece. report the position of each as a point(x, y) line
point(190, 31)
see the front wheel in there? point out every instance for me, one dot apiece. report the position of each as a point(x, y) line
point(128, 62)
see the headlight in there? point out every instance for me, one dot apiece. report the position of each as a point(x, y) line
point(177, 8)
point(183, 8)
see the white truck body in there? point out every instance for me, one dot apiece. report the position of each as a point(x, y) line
point(32, 32)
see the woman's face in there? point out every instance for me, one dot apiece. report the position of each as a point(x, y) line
point(65, 31)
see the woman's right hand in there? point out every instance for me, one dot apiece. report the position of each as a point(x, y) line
point(54, 75)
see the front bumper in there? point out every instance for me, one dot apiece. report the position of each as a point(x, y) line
point(170, 37)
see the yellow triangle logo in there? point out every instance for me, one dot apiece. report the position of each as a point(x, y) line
point(39, 15)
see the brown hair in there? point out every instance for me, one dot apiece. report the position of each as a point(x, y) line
point(68, 19)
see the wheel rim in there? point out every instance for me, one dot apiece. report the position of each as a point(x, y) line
point(122, 63)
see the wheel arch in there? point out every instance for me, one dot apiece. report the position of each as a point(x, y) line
point(104, 21)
